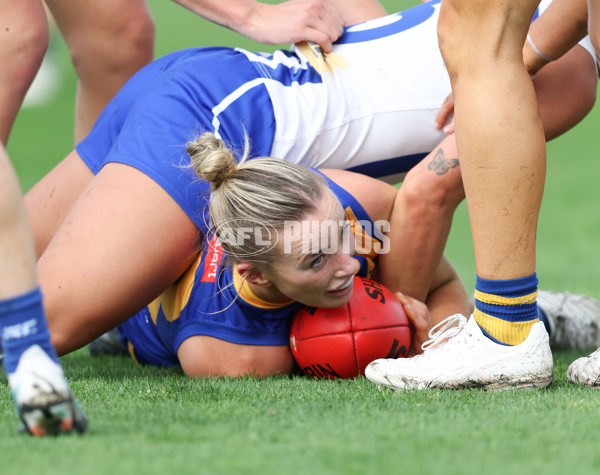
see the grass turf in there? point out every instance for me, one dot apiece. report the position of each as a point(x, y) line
point(150, 420)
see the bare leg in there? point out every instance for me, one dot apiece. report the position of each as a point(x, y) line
point(123, 243)
point(496, 103)
point(17, 258)
point(23, 43)
point(51, 199)
point(109, 41)
point(501, 145)
point(28, 352)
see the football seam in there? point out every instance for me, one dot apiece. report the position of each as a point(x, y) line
point(352, 331)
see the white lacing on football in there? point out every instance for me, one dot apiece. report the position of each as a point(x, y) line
point(447, 328)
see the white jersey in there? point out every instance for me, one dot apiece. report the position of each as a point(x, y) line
point(378, 93)
point(372, 107)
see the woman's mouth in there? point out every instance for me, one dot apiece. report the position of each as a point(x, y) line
point(345, 289)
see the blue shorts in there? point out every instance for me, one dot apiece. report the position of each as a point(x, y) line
point(170, 102)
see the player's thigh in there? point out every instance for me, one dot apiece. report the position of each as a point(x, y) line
point(51, 199)
point(123, 243)
point(107, 36)
point(201, 356)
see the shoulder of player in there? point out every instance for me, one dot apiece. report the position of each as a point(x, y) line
point(375, 196)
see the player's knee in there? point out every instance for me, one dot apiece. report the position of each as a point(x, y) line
point(122, 48)
point(497, 28)
point(138, 35)
point(27, 48)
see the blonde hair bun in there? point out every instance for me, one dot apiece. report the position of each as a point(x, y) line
point(211, 159)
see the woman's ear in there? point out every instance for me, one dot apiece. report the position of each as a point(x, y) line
point(251, 274)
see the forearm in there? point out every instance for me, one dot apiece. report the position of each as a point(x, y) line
point(233, 14)
point(291, 21)
point(448, 295)
point(357, 11)
point(557, 30)
point(566, 91)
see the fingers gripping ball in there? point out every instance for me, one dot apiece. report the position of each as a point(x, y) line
point(340, 342)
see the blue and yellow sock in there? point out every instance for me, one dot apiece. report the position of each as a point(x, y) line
point(506, 310)
point(23, 324)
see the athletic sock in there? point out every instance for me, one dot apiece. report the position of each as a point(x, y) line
point(545, 320)
point(22, 325)
point(506, 309)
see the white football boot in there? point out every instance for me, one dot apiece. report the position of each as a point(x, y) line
point(585, 370)
point(42, 396)
point(574, 320)
point(459, 355)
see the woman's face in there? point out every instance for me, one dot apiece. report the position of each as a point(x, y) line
point(315, 265)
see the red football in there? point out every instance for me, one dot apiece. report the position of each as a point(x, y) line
point(340, 342)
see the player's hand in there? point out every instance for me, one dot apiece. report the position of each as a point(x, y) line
point(294, 21)
point(420, 320)
point(444, 120)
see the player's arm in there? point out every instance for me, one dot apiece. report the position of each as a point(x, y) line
point(357, 11)
point(288, 22)
point(555, 32)
point(201, 356)
point(447, 295)
point(566, 91)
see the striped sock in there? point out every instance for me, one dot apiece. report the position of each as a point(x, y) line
point(23, 324)
point(506, 309)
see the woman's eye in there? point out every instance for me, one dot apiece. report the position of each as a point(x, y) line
point(317, 261)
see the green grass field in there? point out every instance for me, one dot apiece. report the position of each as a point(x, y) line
point(155, 421)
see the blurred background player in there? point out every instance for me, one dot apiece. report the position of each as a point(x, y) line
point(42, 396)
point(110, 40)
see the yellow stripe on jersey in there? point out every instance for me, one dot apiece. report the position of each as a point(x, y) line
point(511, 333)
point(366, 246)
point(176, 297)
point(131, 350)
point(499, 300)
point(322, 62)
point(245, 293)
